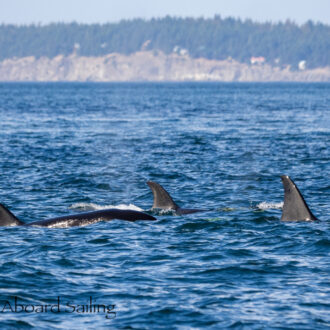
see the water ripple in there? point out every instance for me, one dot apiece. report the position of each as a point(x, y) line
point(74, 147)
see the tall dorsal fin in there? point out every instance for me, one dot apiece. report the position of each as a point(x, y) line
point(7, 218)
point(295, 207)
point(162, 199)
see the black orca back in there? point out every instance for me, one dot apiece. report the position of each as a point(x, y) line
point(80, 219)
point(83, 219)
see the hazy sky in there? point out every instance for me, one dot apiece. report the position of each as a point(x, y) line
point(102, 11)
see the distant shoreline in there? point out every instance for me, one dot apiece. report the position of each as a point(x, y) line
point(149, 66)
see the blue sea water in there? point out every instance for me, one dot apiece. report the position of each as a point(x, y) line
point(67, 147)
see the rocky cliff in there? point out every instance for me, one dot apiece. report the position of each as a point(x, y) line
point(147, 66)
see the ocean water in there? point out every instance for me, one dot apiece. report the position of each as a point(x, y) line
point(68, 147)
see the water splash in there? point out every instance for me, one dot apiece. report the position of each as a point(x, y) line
point(270, 205)
point(94, 207)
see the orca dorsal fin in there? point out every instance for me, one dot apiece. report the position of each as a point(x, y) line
point(295, 207)
point(7, 218)
point(162, 199)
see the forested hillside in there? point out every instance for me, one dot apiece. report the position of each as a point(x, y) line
point(216, 38)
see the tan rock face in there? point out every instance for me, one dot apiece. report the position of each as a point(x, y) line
point(147, 66)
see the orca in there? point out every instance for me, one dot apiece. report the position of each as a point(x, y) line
point(81, 219)
point(295, 207)
point(163, 200)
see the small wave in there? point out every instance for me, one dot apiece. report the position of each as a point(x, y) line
point(267, 205)
point(93, 207)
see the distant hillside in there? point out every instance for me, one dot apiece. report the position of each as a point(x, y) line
point(280, 44)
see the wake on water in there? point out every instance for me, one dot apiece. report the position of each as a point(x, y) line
point(94, 207)
point(270, 205)
point(161, 212)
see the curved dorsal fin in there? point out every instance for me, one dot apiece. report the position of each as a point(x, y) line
point(295, 207)
point(7, 218)
point(162, 199)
